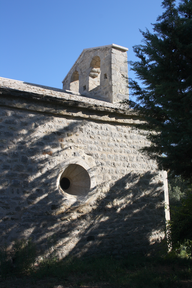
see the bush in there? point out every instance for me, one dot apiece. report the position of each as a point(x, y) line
point(177, 190)
point(20, 260)
point(180, 193)
point(185, 249)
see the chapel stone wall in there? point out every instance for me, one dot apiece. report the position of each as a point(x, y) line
point(118, 207)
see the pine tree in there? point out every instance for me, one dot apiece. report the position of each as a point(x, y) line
point(164, 96)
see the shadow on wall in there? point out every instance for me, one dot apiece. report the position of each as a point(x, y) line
point(124, 219)
point(29, 169)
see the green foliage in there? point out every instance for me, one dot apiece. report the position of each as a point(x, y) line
point(136, 270)
point(178, 188)
point(133, 271)
point(181, 221)
point(24, 255)
point(185, 249)
point(5, 263)
point(164, 97)
point(19, 260)
point(180, 193)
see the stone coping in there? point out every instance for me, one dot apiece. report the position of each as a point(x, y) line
point(50, 91)
point(118, 47)
point(57, 101)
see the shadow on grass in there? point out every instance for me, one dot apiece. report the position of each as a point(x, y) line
point(131, 271)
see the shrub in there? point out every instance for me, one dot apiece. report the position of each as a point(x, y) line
point(20, 260)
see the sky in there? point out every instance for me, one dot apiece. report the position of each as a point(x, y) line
point(42, 39)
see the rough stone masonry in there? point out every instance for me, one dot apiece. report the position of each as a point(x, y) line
point(73, 178)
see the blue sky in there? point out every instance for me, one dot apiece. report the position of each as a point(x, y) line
point(41, 39)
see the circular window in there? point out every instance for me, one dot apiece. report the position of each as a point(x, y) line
point(75, 180)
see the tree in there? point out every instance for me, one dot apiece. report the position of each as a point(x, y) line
point(181, 213)
point(164, 96)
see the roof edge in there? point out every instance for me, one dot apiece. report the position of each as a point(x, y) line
point(105, 46)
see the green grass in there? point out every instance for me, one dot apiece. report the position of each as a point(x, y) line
point(135, 271)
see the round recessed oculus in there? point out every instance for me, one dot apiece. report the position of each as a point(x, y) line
point(75, 180)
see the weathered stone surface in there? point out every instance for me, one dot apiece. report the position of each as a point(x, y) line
point(122, 211)
point(100, 73)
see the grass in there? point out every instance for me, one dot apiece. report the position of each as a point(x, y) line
point(20, 269)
